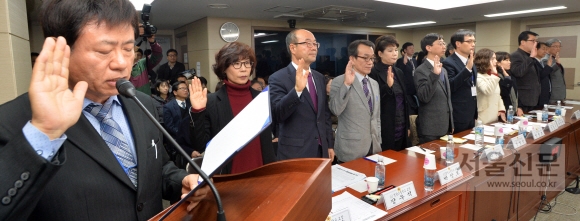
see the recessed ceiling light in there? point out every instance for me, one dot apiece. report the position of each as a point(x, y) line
point(411, 24)
point(272, 41)
point(218, 6)
point(526, 11)
point(438, 5)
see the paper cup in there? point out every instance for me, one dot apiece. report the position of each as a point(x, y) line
point(372, 183)
point(429, 162)
point(443, 150)
point(498, 130)
point(539, 116)
point(563, 111)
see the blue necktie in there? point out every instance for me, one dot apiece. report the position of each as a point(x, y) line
point(113, 136)
point(367, 92)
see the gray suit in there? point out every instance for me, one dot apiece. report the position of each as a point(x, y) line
point(357, 127)
point(435, 110)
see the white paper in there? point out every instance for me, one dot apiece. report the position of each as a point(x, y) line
point(537, 124)
point(343, 177)
point(470, 146)
point(254, 118)
point(486, 139)
point(572, 102)
point(554, 107)
point(418, 150)
point(359, 210)
point(375, 158)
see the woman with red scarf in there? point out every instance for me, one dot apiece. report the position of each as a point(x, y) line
point(490, 106)
point(234, 64)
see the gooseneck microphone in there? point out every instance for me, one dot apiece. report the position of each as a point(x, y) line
point(127, 89)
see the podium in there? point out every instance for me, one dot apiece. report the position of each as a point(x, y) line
point(298, 189)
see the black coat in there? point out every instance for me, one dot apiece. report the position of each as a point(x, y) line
point(388, 105)
point(166, 73)
point(505, 86)
point(523, 68)
point(545, 84)
point(409, 82)
point(217, 114)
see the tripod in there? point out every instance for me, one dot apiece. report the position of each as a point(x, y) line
point(574, 190)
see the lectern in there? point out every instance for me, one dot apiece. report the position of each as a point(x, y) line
point(298, 189)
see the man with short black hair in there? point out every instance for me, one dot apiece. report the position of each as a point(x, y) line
point(462, 80)
point(171, 69)
point(544, 68)
point(435, 117)
point(523, 68)
point(408, 64)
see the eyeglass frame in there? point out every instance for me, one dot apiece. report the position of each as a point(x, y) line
point(367, 59)
point(309, 44)
point(240, 64)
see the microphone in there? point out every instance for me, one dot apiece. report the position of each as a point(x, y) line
point(127, 89)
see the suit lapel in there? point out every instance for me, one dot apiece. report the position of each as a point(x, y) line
point(226, 111)
point(87, 139)
point(292, 73)
point(358, 89)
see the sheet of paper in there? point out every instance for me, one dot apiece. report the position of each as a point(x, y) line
point(343, 177)
point(573, 102)
point(252, 120)
point(418, 150)
point(359, 210)
point(375, 158)
point(360, 186)
point(540, 111)
point(486, 139)
point(537, 124)
point(554, 107)
point(470, 146)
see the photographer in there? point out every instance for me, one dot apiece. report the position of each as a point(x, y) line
point(139, 73)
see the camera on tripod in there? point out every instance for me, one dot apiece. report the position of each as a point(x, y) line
point(148, 28)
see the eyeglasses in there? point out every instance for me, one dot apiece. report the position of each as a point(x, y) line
point(247, 64)
point(309, 44)
point(532, 40)
point(555, 46)
point(441, 43)
point(470, 41)
point(367, 59)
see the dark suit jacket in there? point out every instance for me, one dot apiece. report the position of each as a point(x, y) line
point(435, 116)
point(84, 181)
point(409, 83)
point(523, 68)
point(178, 125)
point(545, 84)
point(460, 82)
point(217, 114)
point(165, 73)
point(505, 86)
point(299, 127)
point(388, 105)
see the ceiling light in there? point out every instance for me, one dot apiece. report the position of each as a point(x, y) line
point(526, 11)
point(411, 24)
point(438, 5)
point(138, 4)
point(272, 41)
point(289, 15)
point(218, 6)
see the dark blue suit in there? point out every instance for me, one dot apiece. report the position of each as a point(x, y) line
point(409, 82)
point(460, 82)
point(299, 127)
point(177, 124)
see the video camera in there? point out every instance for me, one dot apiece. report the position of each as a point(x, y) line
point(148, 28)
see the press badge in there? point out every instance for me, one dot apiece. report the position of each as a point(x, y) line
point(473, 91)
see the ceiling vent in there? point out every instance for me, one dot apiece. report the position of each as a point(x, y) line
point(330, 13)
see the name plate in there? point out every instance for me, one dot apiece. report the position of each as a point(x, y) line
point(576, 114)
point(552, 126)
point(560, 121)
point(518, 141)
point(537, 132)
point(399, 195)
point(450, 173)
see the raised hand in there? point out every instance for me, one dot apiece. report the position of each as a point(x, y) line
point(349, 74)
point(405, 59)
point(197, 94)
point(55, 107)
point(390, 77)
point(437, 65)
point(492, 67)
point(301, 75)
point(470, 60)
point(534, 51)
point(558, 57)
point(504, 72)
point(550, 62)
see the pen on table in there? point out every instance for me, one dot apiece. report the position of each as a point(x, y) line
point(422, 149)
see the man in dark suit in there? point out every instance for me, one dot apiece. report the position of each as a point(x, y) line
point(408, 64)
point(178, 123)
point(298, 100)
point(171, 69)
point(435, 117)
point(71, 148)
point(523, 68)
point(462, 80)
point(544, 68)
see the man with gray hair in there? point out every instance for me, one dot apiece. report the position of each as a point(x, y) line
point(557, 75)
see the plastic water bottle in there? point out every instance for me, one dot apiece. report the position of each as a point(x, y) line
point(479, 134)
point(380, 172)
point(510, 115)
point(558, 109)
point(449, 155)
point(545, 113)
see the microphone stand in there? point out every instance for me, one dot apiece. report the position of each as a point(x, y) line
point(131, 94)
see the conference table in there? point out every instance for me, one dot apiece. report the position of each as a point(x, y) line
point(469, 197)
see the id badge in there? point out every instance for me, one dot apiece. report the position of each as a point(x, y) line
point(473, 91)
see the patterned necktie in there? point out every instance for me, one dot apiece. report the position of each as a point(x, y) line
point(182, 104)
point(113, 136)
point(312, 91)
point(367, 94)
